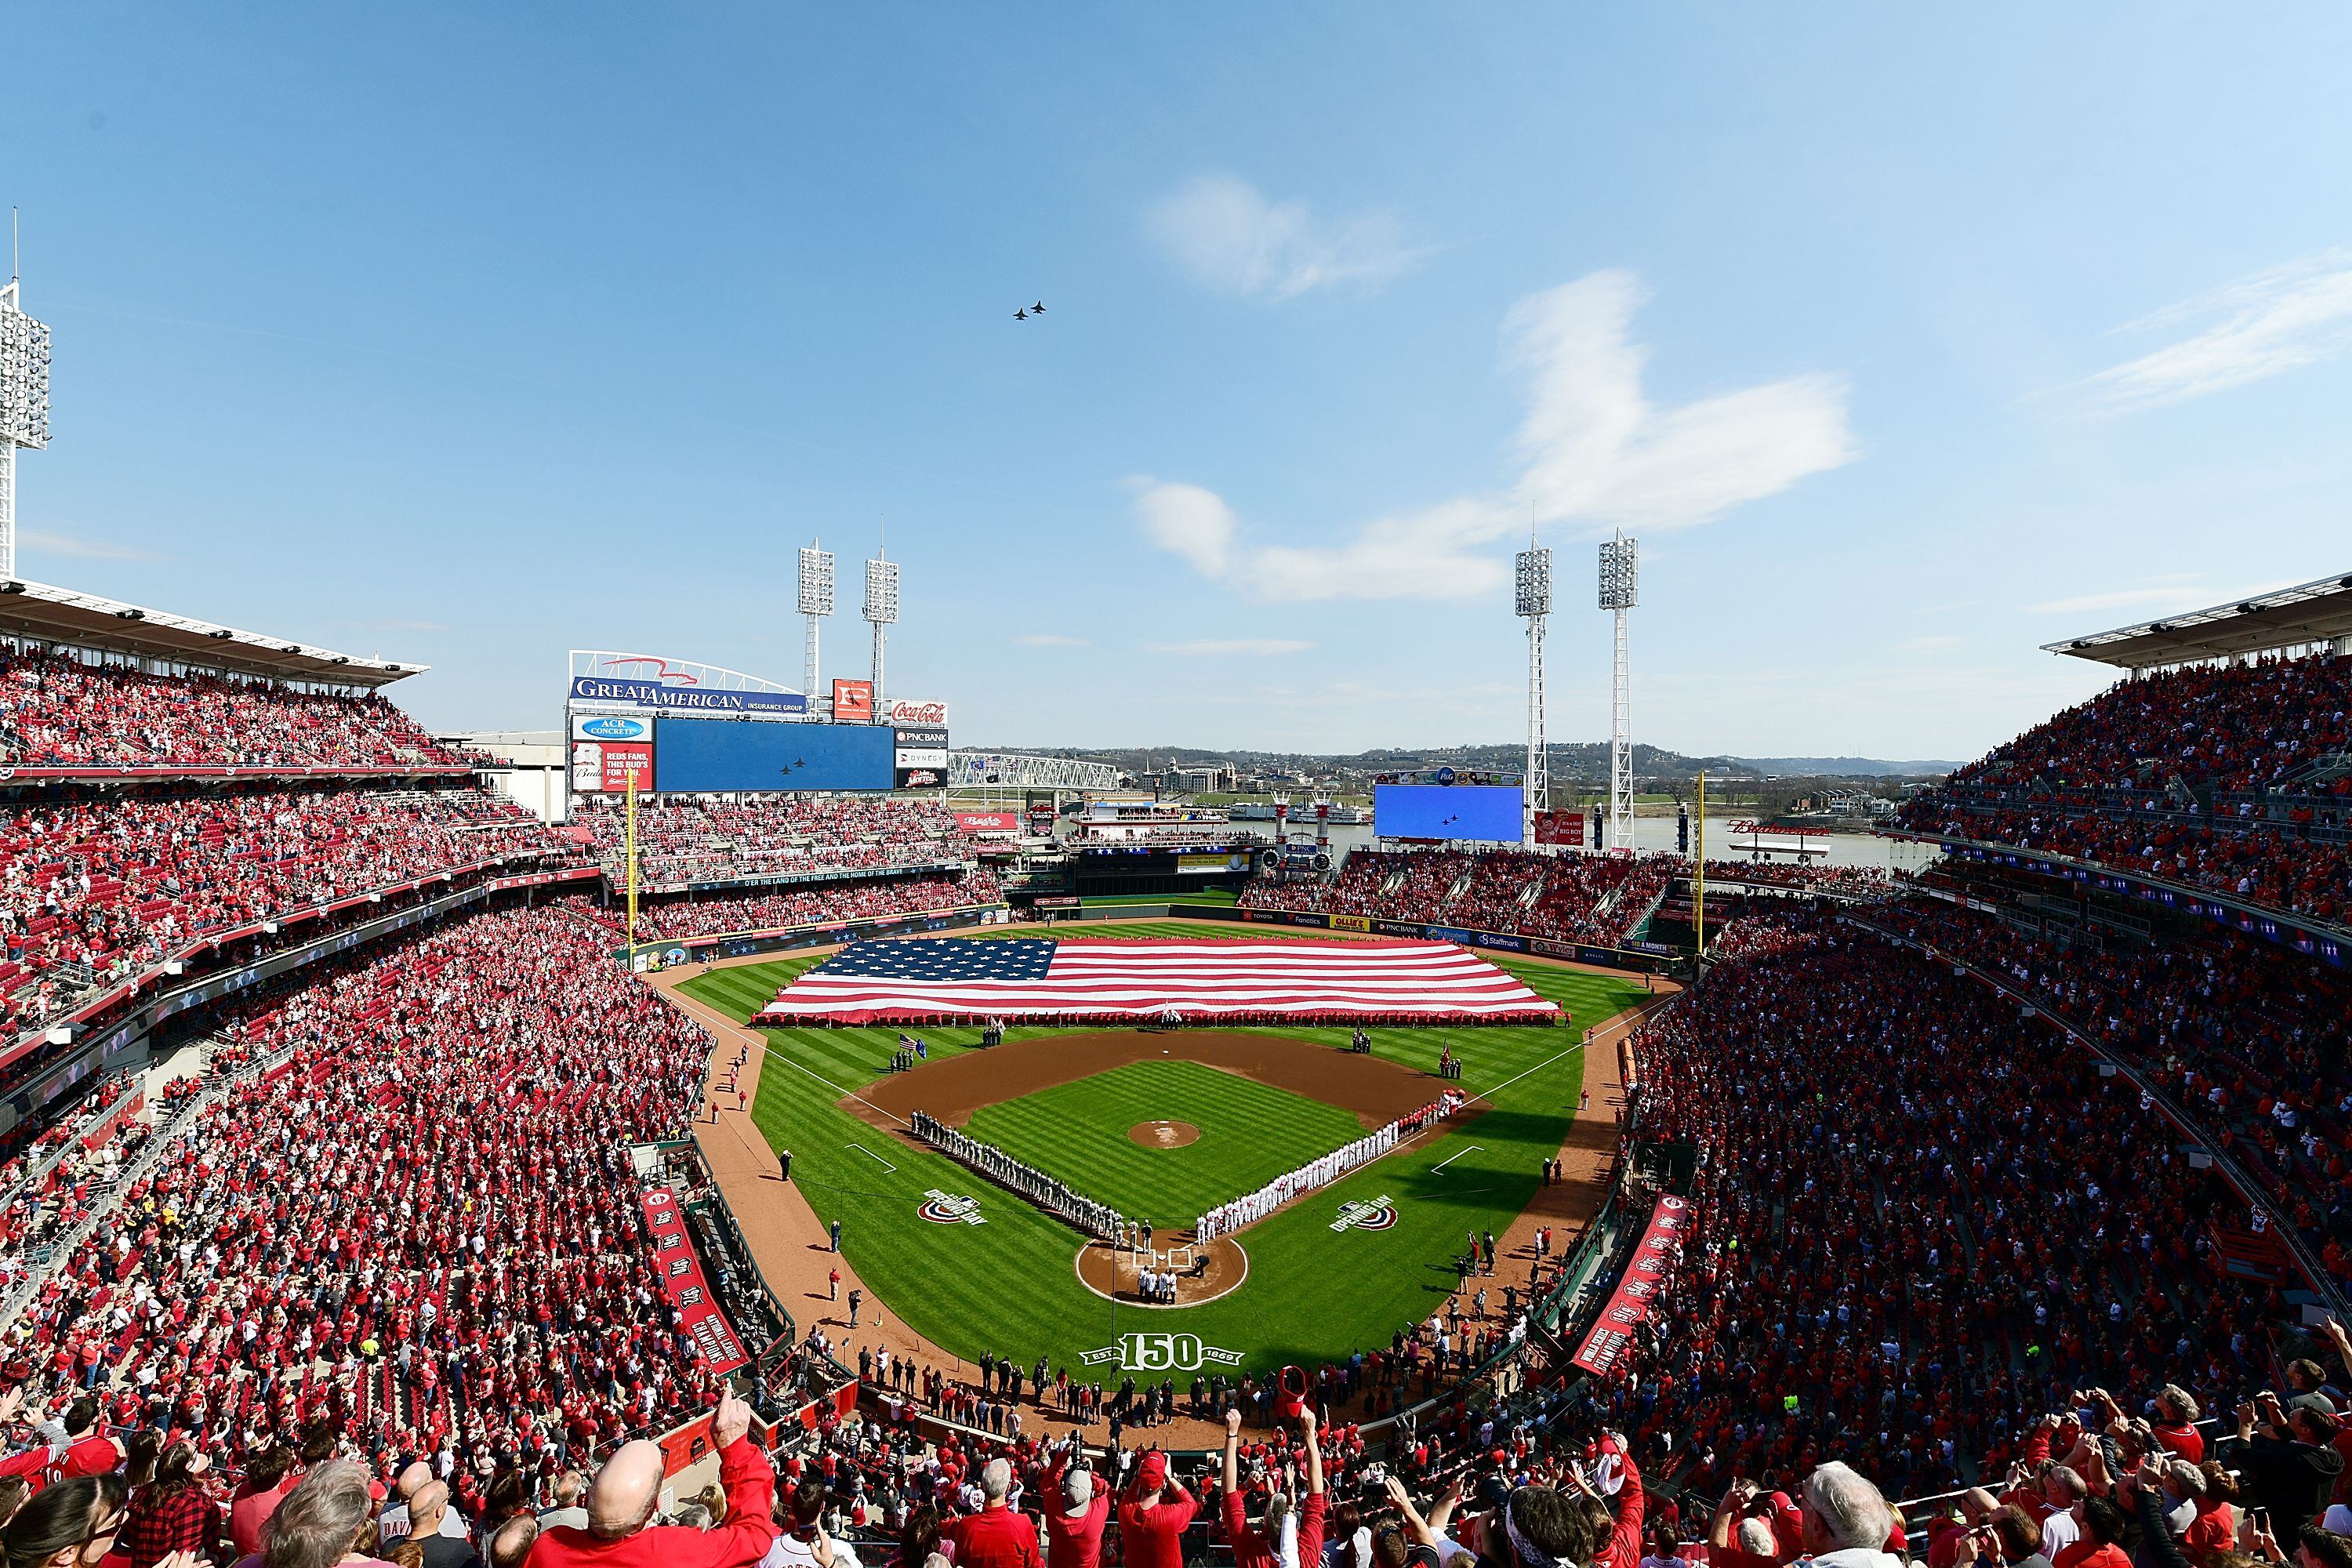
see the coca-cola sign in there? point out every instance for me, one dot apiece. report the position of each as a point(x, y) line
point(907, 710)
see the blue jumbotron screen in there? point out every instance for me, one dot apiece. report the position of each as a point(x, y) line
point(1488, 813)
point(696, 754)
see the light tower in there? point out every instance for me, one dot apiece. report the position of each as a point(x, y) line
point(816, 602)
point(1531, 575)
point(24, 406)
point(881, 610)
point(1619, 592)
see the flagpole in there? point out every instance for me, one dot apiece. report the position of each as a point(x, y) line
point(630, 776)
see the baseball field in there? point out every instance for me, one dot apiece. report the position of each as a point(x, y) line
point(1261, 1101)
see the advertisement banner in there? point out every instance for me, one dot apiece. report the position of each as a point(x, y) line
point(1397, 928)
point(989, 821)
point(699, 1316)
point(1630, 1304)
point(1563, 828)
point(611, 727)
point(928, 735)
point(1350, 923)
point(684, 699)
point(913, 710)
point(623, 762)
point(1210, 865)
point(932, 757)
point(919, 778)
point(853, 701)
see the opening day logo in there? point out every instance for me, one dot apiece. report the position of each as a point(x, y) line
point(1161, 1352)
point(947, 1208)
point(1366, 1214)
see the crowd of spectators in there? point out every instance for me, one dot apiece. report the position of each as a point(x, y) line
point(677, 917)
point(2251, 861)
point(2237, 779)
point(2227, 726)
point(57, 711)
point(2252, 1040)
point(1594, 898)
point(696, 839)
point(420, 1225)
point(114, 886)
point(1921, 1224)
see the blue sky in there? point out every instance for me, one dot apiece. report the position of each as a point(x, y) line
point(1906, 343)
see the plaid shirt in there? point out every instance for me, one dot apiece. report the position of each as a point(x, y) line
point(184, 1521)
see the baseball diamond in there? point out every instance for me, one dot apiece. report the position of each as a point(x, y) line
point(1064, 1101)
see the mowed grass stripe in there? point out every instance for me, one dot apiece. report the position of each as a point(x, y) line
point(1250, 1133)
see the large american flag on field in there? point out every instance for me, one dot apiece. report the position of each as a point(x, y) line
point(930, 979)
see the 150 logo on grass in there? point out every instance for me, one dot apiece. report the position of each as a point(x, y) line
point(947, 1208)
point(1366, 1214)
point(1161, 1352)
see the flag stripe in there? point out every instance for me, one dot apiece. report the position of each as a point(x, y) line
point(1029, 978)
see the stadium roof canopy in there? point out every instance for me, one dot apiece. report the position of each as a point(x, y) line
point(38, 612)
point(2317, 612)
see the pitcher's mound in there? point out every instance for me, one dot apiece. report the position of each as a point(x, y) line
point(1164, 1134)
point(1203, 1273)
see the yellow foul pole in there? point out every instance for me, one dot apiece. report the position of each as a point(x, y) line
point(631, 776)
point(1699, 902)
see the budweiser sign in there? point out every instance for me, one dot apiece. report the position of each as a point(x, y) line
point(907, 710)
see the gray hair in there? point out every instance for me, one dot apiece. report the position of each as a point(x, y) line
point(1756, 1538)
point(2182, 1402)
point(2069, 1481)
point(320, 1518)
point(1853, 1512)
point(2187, 1479)
point(995, 1479)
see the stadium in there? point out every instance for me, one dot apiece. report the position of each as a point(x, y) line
point(733, 1118)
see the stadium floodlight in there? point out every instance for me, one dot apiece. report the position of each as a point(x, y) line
point(24, 407)
point(816, 602)
point(881, 610)
point(1531, 577)
point(1620, 591)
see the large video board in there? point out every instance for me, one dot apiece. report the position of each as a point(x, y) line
point(1485, 813)
point(694, 755)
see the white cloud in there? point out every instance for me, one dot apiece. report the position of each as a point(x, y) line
point(1597, 453)
point(1048, 639)
point(44, 542)
point(2258, 327)
point(1231, 239)
point(1187, 520)
point(1926, 643)
point(1214, 649)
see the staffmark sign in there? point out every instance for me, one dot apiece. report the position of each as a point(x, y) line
point(1161, 1352)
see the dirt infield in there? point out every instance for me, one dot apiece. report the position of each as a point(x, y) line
point(1109, 1271)
point(1164, 1134)
point(1374, 1091)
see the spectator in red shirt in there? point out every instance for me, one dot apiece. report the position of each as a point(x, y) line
point(1262, 1548)
point(1151, 1520)
point(995, 1537)
point(1073, 1531)
point(2103, 1527)
point(87, 1453)
point(622, 1500)
point(268, 1479)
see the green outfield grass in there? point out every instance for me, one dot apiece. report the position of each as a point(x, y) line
point(1250, 1133)
point(1009, 1288)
